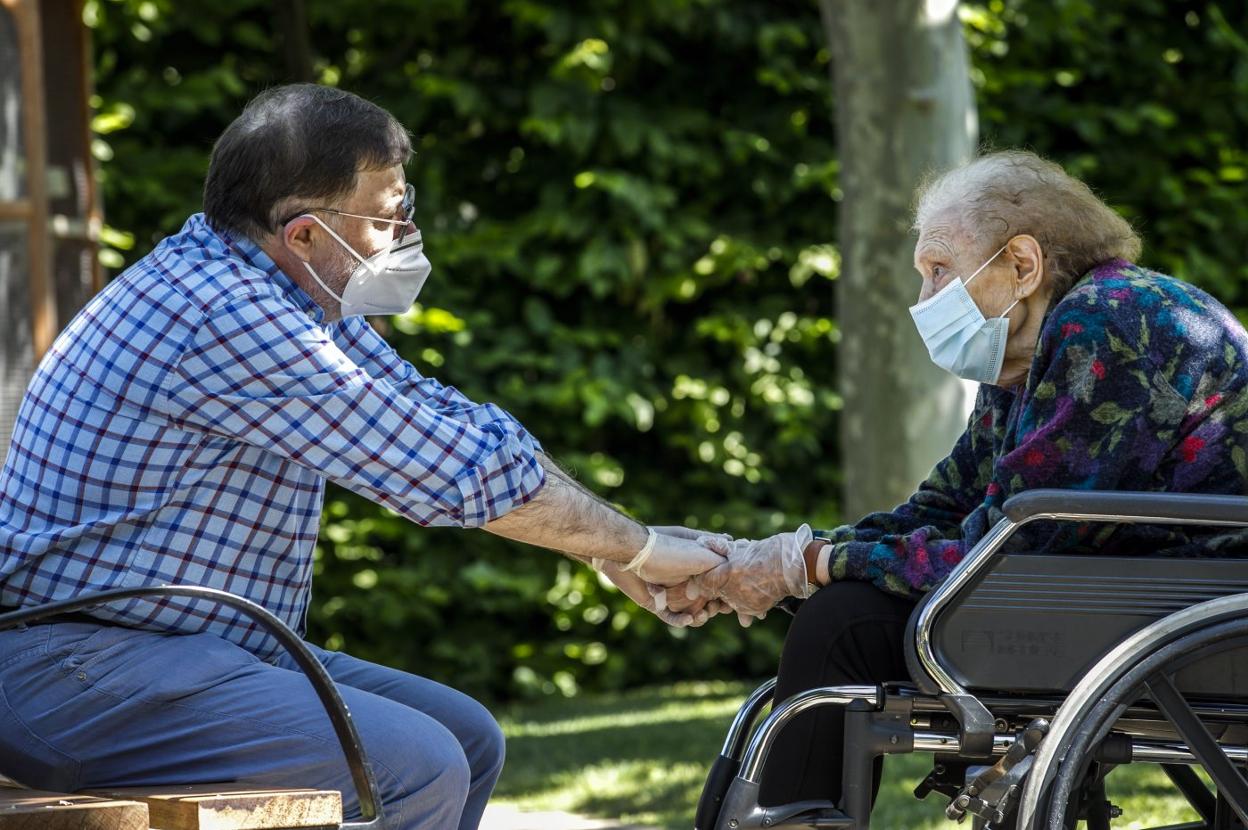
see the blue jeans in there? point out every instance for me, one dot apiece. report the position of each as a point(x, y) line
point(89, 706)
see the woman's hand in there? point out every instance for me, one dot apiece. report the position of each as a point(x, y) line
point(756, 574)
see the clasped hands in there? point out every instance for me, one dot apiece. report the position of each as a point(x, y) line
point(690, 576)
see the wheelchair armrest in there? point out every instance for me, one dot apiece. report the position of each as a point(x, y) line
point(362, 777)
point(1128, 507)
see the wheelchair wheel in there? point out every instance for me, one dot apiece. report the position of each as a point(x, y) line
point(1061, 778)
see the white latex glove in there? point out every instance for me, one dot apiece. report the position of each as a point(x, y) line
point(669, 560)
point(678, 602)
point(653, 598)
point(756, 574)
point(676, 598)
point(682, 532)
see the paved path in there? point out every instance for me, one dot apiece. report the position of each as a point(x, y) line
point(503, 817)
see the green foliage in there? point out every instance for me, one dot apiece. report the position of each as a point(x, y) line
point(1145, 100)
point(630, 207)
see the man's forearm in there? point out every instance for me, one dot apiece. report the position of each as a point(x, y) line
point(566, 517)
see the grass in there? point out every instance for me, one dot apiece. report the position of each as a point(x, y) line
point(641, 758)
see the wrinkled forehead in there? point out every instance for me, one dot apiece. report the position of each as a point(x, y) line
point(943, 237)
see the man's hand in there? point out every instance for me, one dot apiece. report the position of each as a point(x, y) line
point(679, 601)
point(756, 574)
point(669, 560)
point(691, 533)
point(651, 597)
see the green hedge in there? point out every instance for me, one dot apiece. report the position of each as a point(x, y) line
point(631, 209)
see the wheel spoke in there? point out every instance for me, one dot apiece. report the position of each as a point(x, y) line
point(1193, 789)
point(1176, 709)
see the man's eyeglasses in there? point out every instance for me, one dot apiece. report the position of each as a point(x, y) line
point(407, 208)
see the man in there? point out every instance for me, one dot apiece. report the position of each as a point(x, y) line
point(180, 431)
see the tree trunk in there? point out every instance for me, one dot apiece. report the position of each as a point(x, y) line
point(292, 21)
point(904, 108)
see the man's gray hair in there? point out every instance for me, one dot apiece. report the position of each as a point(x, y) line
point(1000, 195)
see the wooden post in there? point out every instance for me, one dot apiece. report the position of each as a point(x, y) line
point(42, 298)
point(95, 214)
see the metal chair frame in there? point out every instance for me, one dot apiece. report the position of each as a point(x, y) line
point(326, 691)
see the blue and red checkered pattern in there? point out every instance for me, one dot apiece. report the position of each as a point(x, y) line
point(181, 428)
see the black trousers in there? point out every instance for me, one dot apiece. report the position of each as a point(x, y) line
point(846, 633)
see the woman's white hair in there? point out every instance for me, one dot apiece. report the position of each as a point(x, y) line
point(1004, 194)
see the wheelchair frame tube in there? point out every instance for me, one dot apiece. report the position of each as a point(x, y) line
point(339, 716)
point(1066, 505)
point(1142, 752)
point(745, 716)
point(760, 745)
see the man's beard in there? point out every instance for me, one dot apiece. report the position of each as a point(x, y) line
point(336, 273)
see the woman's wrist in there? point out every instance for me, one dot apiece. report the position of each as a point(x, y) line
point(812, 554)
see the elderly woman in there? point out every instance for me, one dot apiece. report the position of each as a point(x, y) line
point(1096, 374)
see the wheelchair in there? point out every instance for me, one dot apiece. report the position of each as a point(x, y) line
point(1032, 677)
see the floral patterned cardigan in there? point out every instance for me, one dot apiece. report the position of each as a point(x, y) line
point(1139, 382)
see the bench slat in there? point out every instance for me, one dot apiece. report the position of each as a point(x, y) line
point(36, 810)
point(228, 807)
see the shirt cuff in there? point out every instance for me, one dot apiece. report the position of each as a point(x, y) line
point(509, 478)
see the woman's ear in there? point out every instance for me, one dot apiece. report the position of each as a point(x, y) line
point(1028, 265)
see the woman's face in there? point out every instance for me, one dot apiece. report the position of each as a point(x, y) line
point(1012, 283)
point(945, 253)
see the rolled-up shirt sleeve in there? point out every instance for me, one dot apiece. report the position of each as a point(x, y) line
point(261, 372)
point(368, 349)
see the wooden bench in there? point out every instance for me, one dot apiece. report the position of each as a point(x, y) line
point(191, 807)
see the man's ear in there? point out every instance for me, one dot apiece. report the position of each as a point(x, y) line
point(1028, 264)
point(299, 236)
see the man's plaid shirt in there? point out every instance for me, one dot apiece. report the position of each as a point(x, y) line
point(181, 428)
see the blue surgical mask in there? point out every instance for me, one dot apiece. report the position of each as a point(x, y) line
point(958, 337)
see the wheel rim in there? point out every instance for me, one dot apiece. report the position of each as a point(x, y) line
point(1153, 677)
point(1091, 690)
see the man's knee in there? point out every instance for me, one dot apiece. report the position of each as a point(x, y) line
point(419, 756)
point(422, 774)
point(483, 742)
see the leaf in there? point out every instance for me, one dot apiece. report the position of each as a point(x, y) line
point(1111, 413)
point(1166, 406)
point(1120, 348)
point(1079, 377)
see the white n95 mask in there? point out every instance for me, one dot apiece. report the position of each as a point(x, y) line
point(387, 282)
point(958, 337)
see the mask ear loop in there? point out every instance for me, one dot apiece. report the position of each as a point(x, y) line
point(1011, 308)
point(308, 266)
point(343, 243)
point(985, 265)
point(968, 279)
